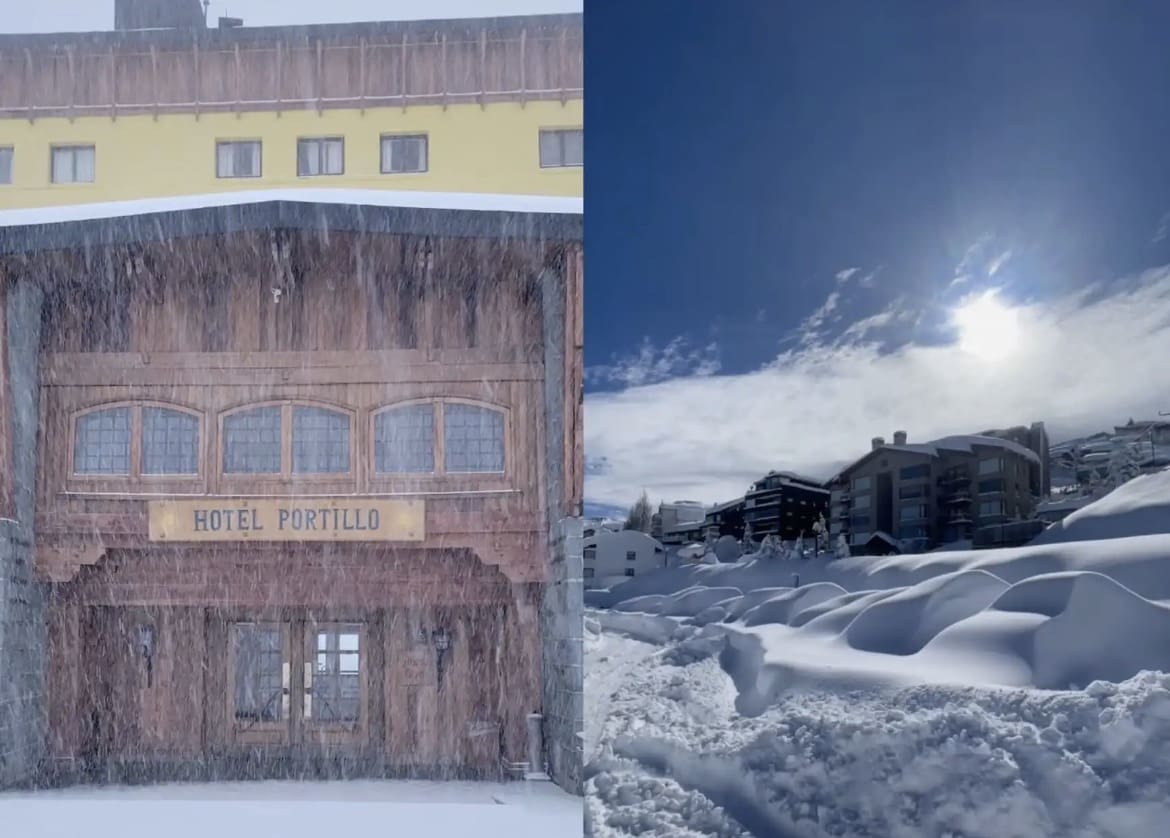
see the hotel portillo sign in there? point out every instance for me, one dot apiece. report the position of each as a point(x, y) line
point(291, 519)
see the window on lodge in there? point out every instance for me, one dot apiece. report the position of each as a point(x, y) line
point(254, 440)
point(407, 439)
point(168, 442)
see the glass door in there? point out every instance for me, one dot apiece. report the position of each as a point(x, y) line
point(334, 692)
point(259, 681)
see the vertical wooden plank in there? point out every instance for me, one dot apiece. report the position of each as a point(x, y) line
point(362, 75)
point(154, 95)
point(197, 75)
point(523, 67)
point(279, 77)
point(483, 68)
point(319, 81)
point(562, 62)
point(113, 85)
point(443, 70)
point(402, 78)
point(236, 106)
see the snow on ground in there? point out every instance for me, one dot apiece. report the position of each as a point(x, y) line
point(998, 693)
point(290, 809)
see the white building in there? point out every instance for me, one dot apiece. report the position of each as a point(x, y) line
point(671, 516)
point(610, 556)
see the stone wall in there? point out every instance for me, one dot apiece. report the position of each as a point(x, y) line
point(561, 613)
point(23, 633)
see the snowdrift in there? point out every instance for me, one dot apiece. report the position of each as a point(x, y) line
point(1139, 507)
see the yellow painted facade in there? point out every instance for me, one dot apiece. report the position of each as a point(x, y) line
point(492, 149)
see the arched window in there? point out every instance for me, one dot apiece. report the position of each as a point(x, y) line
point(404, 440)
point(473, 439)
point(287, 439)
point(168, 441)
point(439, 437)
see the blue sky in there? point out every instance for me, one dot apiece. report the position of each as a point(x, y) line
point(793, 208)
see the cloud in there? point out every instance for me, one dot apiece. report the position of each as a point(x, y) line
point(651, 365)
point(843, 276)
point(811, 328)
point(1086, 360)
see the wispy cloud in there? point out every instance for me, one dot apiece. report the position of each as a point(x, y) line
point(1086, 360)
point(650, 365)
point(811, 329)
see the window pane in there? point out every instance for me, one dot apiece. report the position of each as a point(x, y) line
point(5, 165)
point(307, 158)
point(337, 680)
point(238, 159)
point(251, 441)
point(62, 165)
point(83, 165)
point(259, 657)
point(223, 161)
point(550, 149)
point(102, 442)
point(334, 162)
point(574, 148)
point(473, 439)
point(404, 440)
point(170, 442)
point(320, 441)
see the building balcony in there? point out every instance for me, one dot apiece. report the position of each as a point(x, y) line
point(959, 517)
point(958, 498)
point(955, 478)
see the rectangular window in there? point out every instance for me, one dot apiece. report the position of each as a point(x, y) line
point(987, 487)
point(862, 501)
point(170, 442)
point(992, 466)
point(320, 441)
point(324, 156)
point(473, 439)
point(911, 532)
point(862, 484)
point(990, 508)
point(912, 513)
point(404, 440)
point(251, 441)
point(404, 154)
point(631, 556)
point(259, 673)
point(101, 443)
point(237, 158)
point(590, 553)
point(859, 521)
point(336, 695)
point(588, 573)
point(6, 164)
point(562, 148)
point(629, 571)
point(73, 164)
point(915, 472)
point(919, 491)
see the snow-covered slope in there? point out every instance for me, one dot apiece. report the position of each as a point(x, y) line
point(1138, 507)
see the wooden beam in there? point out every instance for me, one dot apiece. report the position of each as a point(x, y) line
point(26, 84)
point(523, 67)
point(320, 80)
point(483, 68)
point(562, 62)
point(362, 74)
point(443, 69)
point(196, 76)
point(239, 79)
point(154, 78)
point(71, 57)
point(279, 76)
point(113, 85)
point(402, 78)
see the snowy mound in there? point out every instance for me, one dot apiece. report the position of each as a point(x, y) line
point(1139, 507)
point(690, 602)
point(1069, 629)
point(833, 616)
point(781, 608)
point(903, 623)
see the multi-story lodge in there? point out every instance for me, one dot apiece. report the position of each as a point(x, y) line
point(785, 505)
point(285, 472)
point(483, 105)
point(914, 497)
point(670, 517)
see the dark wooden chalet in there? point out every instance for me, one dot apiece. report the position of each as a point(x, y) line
point(291, 494)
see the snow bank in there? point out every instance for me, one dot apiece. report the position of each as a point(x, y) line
point(904, 622)
point(924, 761)
point(783, 607)
point(1139, 507)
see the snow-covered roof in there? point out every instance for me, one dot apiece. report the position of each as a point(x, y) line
point(466, 201)
point(964, 443)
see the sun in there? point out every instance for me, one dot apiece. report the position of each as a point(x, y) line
point(989, 330)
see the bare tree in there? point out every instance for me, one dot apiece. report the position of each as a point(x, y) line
point(641, 515)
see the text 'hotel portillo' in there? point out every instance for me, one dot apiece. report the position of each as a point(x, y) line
point(300, 519)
